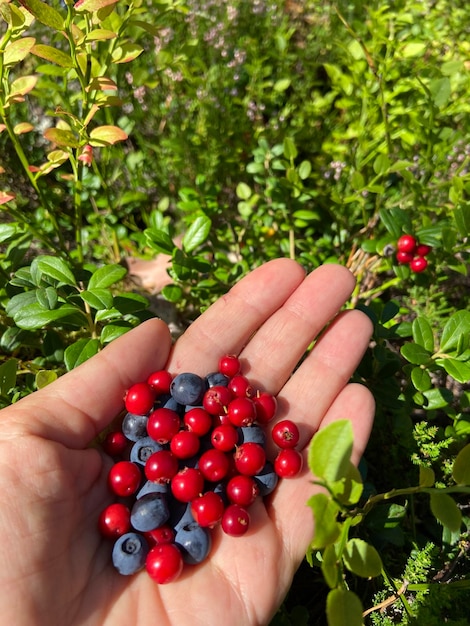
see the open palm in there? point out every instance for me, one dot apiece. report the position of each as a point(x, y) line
point(56, 569)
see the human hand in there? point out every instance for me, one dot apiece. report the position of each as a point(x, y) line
point(56, 568)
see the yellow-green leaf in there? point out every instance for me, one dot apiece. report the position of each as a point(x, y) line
point(23, 85)
point(44, 13)
point(362, 559)
point(127, 52)
point(327, 529)
point(18, 50)
point(446, 511)
point(93, 5)
point(107, 135)
point(23, 127)
point(61, 137)
point(461, 467)
point(52, 54)
point(343, 608)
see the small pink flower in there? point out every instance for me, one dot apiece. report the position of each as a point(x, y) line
point(87, 155)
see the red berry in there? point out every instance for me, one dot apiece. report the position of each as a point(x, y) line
point(216, 399)
point(207, 509)
point(406, 243)
point(404, 257)
point(139, 399)
point(241, 387)
point(418, 264)
point(285, 434)
point(114, 443)
point(224, 437)
point(288, 463)
point(162, 534)
point(160, 381)
point(423, 249)
point(250, 458)
point(266, 407)
point(124, 478)
point(229, 365)
point(241, 412)
point(214, 465)
point(163, 424)
point(185, 444)
point(242, 490)
point(161, 466)
point(187, 484)
point(198, 420)
point(235, 520)
point(115, 520)
point(164, 563)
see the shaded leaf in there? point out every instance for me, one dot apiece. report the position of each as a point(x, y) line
point(330, 566)
point(47, 297)
point(327, 529)
point(56, 268)
point(446, 511)
point(415, 354)
point(80, 351)
point(461, 467)
point(343, 608)
point(457, 325)
point(34, 316)
point(8, 371)
point(113, 331)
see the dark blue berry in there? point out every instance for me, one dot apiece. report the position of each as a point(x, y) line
point(180, 515)
point(150, 511)
point(253, 434)
point(215, 379)
point(129, 553)
point(134, 426)
point(142, 449)
point(188, 388)
point(194, 543)
point(151, 487)
point(267, 479)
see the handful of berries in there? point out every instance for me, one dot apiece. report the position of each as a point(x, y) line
point(411, 252)
point(191, 454)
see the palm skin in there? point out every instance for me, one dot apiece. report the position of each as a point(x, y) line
point(56, 569)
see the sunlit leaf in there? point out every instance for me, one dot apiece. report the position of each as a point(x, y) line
point(18, 50)
point(106, 135)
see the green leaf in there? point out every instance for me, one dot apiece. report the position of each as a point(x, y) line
point(197, 233)
point(415, 354)
point(349, 489)
point(130, 302)
point(446, 511)
point(461, 467)
point(327, 529)
point(107, 135)
point(113, 331)
point(462, 220)
point(18, 50)
point(421, 379)
point(243, 191)
point(106, 276)
point(93, 5)
point(413, 49)
point(438, 398)
point(97, 298)
point(427, 477)
point(330, 450)
point(44, 378)
point(282, 84)
point(8, 371)
point(305, 169)
point(362, 559)
point(44, 13)
point(56, 268)
point(47, 297)
point(159, 240)
point(34, 316)
point(343, 608)
point(440, 89)
point(290, 150)
point(459, 370)
point(456, 326)
point(172, 293)
point(19, 302)
point(422, 333)
point(80, 351)
point(126, 52)
point(381, 164)
point(330, 566)
point(54, 55)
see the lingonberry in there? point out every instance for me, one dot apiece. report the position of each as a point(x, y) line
point(114, 443)
point(124, 478)
point(216, 399)
point(161, 466)
point(187, 484)
point(406, 243)
point(198, 420)
point(288, 463)
point(207, 509)
point(235, 520)
point(241, 411)
point(214, 465)
point(160, 381)
point(285, 434)
point(163, 534)
point(139, 398)
point(229, 365)
point(163, 424)
point(266, 407)
point(418, 264)
point(185, 444)
point(423, 250)
point(114, 520)
point(242, 490)
point(404, 257)
point(224, 437)
point(241, 387)
point(250, 458)
point(164, 563)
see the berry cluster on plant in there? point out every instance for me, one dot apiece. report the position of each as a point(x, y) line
point(191, 455)
point(411, 252)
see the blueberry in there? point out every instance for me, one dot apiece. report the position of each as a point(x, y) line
point(194, 543)
point(267, 479)
point(217, 379)
point(188, 388)
point(180, 515)
point(129, 553)
point(253, 434)
point(150, 511)
point(134, 426)
point(143, 448)
point(172, 404)
point(221, 489)
point(151, 487)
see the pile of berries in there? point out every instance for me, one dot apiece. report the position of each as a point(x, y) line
point(190, 455)
point(411, 252)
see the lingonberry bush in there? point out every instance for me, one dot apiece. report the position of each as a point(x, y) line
point(221, 135)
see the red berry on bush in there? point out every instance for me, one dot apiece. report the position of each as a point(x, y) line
point(139, 399)
point(423, 250)
point(404, 257)
point(418, 264)
point(406, 243)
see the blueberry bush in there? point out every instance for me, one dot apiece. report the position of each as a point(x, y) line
point(218, 135)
